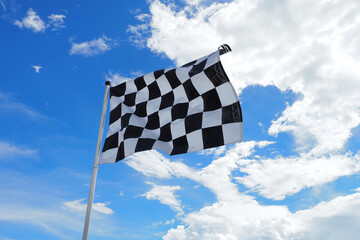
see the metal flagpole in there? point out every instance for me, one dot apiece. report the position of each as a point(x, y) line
point(96, 161)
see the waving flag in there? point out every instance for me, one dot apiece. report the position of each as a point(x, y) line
point(178, 110)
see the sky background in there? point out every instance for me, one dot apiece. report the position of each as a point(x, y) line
point(295, 65)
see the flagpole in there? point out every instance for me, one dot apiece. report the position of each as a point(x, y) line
point(96, 161)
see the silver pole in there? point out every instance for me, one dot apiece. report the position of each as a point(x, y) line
point(96, 161)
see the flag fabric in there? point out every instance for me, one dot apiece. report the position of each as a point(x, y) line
point(178, 110)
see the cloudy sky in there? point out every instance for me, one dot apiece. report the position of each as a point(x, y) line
point(295, 65)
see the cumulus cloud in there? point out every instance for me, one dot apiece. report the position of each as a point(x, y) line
point(231, 220)
point(193, 2)
point(332, 220)
point(166, 195)
point(56, 21)
point(216, 176)
point(31, 21)
point(139, 31)
point(283, 176)
point(214, 151)
point(116, 78)
point(151, 164)
point(244, 218)
point(309, 48)
point(93, 47)
point(154, 164)
point(236, 215)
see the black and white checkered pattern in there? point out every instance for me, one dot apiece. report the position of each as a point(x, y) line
point(179, 110)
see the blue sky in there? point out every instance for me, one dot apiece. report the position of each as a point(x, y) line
point(294, 66)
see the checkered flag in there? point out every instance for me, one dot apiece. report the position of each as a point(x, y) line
point(178, 110)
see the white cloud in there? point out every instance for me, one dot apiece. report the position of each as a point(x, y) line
point(36, 24)
point(116, 78)
point(271, 178)
point(244, 218)
point(193, 2)
point(213, 151)
point(79, 206)
point(336, 219)
point(159, 223)
point(216, 176)
point(169, 222)
point(231, 220)
point(150, 163)
point(8, 150)
point(238, 216)
point(143, 17)
point(166, 195)
point(154, 164)
point(56, 21)
point(308, 48)
point(277, 178)
point(31, 21)
point(139, 31)
point(93, 47)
